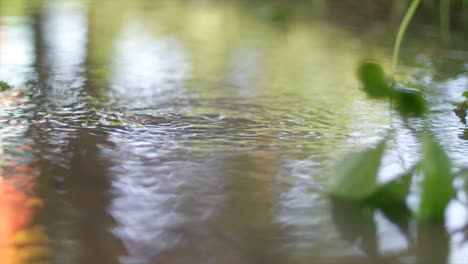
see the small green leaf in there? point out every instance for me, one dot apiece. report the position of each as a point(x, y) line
point(410, 102)
point(373, 80)
point(436, 187)
point(355, 175)
point(392, 194)
point(465, 94)
point(4, 86)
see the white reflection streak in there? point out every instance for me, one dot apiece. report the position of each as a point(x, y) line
point(65, 33)
point(16, 50)
point(145, 68)
point(245, 68)
point(457, 219)
point(300, 208)
point(158, 204)
point(149, 198)
point(390, 239)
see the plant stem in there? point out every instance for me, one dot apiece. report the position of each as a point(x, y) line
point(445, 19)
point(401, 32)
point(464, 10)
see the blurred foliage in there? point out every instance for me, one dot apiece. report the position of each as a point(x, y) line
point(446, 13)
point(357, 173)
point(436, 187)
point(409, 102)
point(4, 86)
point(356, 176)
point(374, 80)
point(450, 13)
point(357, 197)
point(391, 196)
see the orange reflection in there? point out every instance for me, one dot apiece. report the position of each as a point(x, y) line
point(20, 241)
point(15, 215)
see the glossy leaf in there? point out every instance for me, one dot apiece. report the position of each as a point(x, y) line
point(355, 175)
point(373, 80)
point(436, 187)
point(410, 102)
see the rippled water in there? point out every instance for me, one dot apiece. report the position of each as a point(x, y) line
point(189, 132)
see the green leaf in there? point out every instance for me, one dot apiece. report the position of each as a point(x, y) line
point(465, 94)
point(392, 195)
point(390, 198)
point(355, 175)
point(410, 102)
point(436, 187)
point(4, 86)
point(373, 80)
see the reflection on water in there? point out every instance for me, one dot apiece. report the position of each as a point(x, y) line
point(385, 237)
point(162, 193)
point(22, 240)
point(63, 30)
point(146, 69)
point(16, 49)
point(190, 132)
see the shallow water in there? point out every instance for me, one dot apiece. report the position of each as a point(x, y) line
point(190, 132)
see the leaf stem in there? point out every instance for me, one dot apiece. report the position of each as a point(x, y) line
point(401, 32)
point(445, 19)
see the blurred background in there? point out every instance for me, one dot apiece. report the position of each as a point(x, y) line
point(202, 131)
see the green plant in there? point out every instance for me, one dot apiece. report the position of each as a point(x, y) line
point(355, 177)
point(4, 86)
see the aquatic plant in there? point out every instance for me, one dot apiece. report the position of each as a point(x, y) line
point(355, 177)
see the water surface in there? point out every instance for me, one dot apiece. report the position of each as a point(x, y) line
point(201, 132)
